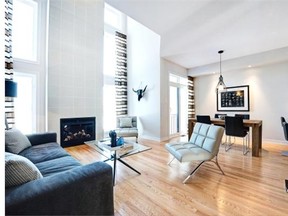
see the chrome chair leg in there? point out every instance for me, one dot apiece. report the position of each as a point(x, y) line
point(228, 145)
point(246, 147)
point(198, 166)
point(218, 165)
point(171, 161)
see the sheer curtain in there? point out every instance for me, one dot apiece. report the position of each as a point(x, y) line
point(121, 74)
point(9, 72)
point(191, 101)
point(115, 78)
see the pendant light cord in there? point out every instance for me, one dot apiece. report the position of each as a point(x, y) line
point(220, 66)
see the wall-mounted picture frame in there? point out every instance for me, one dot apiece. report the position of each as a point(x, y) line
point(236, 98)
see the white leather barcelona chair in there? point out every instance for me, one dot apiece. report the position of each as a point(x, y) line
point(203, 146)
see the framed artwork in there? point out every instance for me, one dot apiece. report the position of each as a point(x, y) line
point(236, 98)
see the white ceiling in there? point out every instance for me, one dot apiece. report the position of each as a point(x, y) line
point(192, 31)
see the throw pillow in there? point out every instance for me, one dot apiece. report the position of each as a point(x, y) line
point(15, 141)
point(19, 170)
point(126, 122)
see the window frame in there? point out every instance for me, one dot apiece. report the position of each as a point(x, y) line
point(38, 68)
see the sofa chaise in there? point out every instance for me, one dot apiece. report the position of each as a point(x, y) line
point(60, 185)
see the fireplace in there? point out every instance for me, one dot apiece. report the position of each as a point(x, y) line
point(75, 131)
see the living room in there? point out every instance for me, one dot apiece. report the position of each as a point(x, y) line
point(88, 84)
point(141, 41)
point(75, 80)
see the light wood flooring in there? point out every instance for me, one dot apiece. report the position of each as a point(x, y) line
point(250, 186)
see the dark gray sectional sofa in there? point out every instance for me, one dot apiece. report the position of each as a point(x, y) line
point(66, 188)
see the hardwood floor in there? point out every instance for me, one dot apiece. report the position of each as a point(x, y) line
point(250, 186)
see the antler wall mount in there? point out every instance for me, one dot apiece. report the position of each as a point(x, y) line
point(140, 92)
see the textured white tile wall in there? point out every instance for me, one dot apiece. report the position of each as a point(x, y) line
point(75, 53)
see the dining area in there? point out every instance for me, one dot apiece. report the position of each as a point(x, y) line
point(238, 125)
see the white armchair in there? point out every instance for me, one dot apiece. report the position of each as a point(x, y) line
point(203, 146)
point(126, 126)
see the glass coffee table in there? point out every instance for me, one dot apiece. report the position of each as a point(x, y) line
point(117, 153)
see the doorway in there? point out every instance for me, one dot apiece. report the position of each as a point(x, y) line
point(178, 105)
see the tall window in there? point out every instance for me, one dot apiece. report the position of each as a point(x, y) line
point(29, 44)
point(25, 29)
point(25, 102)
point(114, 21)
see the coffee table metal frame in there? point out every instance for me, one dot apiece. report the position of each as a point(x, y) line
point(103, 146)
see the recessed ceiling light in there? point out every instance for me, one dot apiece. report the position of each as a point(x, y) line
point(249, 66)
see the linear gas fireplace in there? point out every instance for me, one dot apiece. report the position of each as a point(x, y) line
point(75, 131)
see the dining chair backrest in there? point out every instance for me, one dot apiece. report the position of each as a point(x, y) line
point(203, 119)
point(220, 115)
point(285, 127)
point(283, 121)
point(234, 126)
point(244, 116)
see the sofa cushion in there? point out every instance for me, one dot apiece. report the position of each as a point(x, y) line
point(57, 165)
point(44, 152)
point(15, 141)
point(19, 170)
point(126, 122)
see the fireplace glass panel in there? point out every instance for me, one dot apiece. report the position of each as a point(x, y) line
point(75, 131)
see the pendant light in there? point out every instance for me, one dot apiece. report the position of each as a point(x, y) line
point(221, 85)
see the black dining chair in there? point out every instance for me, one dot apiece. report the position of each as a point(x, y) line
point(285, 130)
point(285, 153)
point(220, 116)
point(244, 116)
point(203, 119)
point(234, 127)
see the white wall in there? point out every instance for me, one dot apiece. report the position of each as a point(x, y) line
point(75, 59)
point(144, 67)
point(268, 95)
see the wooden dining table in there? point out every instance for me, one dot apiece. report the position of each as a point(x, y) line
point(256, 126)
